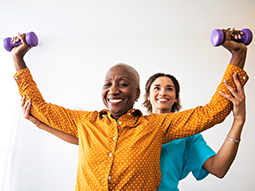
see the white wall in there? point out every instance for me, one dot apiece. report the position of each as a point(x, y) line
point(69, 69)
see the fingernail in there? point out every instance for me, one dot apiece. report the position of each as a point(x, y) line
point(225, 81)
point(220, 92)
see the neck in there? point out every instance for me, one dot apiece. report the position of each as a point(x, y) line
point(160, 111)
point(115, 117)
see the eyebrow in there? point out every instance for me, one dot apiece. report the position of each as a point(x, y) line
point(121, 78)
point(166, 85)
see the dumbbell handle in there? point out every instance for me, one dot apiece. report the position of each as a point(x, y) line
point(31, 40)
point(218, 37)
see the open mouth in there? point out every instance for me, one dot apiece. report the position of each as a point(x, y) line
point(115, 101)
point(162, 99)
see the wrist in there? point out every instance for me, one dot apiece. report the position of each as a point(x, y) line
point(238, 57)
point(39, 125)
point(239, 121)
point(19, 62)
point(240, 53)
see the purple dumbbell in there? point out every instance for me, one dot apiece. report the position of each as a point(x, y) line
point(218, 37)
point(31, 40)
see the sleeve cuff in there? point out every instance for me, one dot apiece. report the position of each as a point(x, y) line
point(231, 69)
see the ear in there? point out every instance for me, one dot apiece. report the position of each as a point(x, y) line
point(138, 93)
point(148, 98)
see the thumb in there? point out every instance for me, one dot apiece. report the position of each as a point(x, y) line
point(22, 38)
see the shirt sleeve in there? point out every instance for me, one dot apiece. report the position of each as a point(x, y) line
point(189, 122)
point(55, 116)
point(196, 154)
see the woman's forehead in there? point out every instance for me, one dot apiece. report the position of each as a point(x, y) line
point(120, 72)
point(163, 80)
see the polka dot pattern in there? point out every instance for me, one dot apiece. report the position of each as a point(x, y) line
point(124, 154)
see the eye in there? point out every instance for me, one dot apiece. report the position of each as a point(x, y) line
point(107, 85)
point(169, 89)
point(123, 85)
point(156, 88)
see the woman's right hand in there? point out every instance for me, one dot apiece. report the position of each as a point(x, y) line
point(26, 107)
point(22, 49)
point(233, 46)
point(237, 97)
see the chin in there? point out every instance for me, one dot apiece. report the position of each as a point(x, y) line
point(115, 111)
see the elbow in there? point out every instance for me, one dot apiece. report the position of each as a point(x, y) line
point(220, 174)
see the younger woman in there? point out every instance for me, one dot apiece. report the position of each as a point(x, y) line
point(191, 154)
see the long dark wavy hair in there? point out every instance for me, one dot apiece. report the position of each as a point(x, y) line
point(147, 104)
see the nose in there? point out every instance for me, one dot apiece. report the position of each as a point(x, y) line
point(113, 90)
point(162, 92)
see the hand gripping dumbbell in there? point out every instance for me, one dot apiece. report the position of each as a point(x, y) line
point(218, 37)
point(31, 40)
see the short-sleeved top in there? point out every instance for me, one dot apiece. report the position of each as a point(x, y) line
point(180, 157)
point(125, 154)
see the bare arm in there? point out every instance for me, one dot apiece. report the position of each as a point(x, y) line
point(60, 134)
point(219, 164)
point(19, 52)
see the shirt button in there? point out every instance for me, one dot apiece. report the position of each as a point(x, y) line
point(109, 178)
point(110, 155)
point(120, 123)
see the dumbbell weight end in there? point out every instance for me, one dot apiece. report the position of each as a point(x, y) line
point(31, 40)
point(218, 37)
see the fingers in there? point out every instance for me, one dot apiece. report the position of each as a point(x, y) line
point(228, 33)
point(237, 34)
point(237, 94)
point(22, 100)
point(26, 107)
point(239, 87)
point(22, 37)
point(228, 96)
point(231, 32)
point(19, 37)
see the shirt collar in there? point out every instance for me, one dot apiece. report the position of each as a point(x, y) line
point(133, 112)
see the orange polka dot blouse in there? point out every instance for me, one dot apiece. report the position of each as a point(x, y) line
point(124, 154)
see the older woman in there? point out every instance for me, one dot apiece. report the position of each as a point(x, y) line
point(179, 157)
point(119, 148)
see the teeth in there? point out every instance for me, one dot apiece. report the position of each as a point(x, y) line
point(115, 100)
point(162, 99)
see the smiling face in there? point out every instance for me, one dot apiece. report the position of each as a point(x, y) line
point(162, 95)
point(120, 90)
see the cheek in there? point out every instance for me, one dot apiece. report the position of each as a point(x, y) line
point(103, 95)
point(151, 97)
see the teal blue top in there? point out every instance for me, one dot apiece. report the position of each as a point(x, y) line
point(180, 157)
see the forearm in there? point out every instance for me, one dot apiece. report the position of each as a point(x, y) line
point(60, 134)
point(19, 63)
point(219, 164)
point(238, 58)
point(238, 50)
